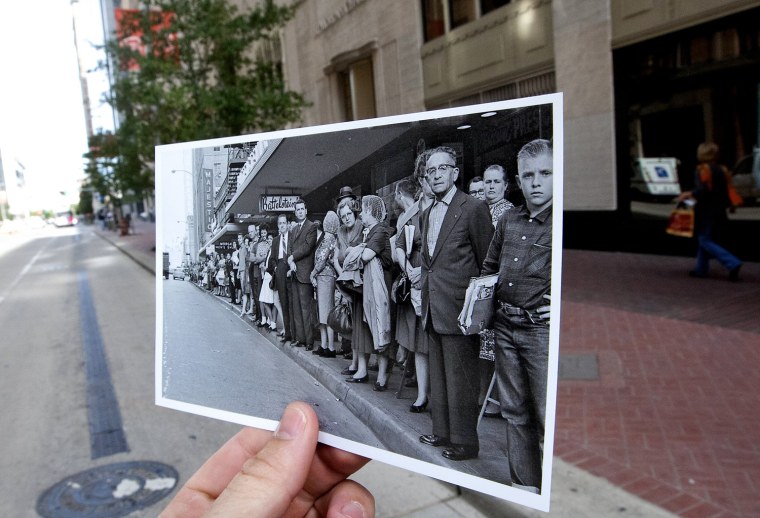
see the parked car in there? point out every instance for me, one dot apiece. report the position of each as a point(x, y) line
point(746, 177)
point(65, 218)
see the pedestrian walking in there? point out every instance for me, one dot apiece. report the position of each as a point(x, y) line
point(712, 193)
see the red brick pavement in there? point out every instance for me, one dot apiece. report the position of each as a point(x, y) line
point(674, 415)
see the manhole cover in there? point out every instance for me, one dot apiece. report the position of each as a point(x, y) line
point(108, 491)
point(581, 366)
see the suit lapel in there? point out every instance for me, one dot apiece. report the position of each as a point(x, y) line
point(449, 220)
point(297, 232)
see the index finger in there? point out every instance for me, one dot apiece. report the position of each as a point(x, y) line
point(200, 491)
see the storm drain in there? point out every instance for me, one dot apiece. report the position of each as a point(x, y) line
point(580, 366)
point(108, 491)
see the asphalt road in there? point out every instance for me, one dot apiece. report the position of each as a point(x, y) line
point(46, 433)
point(214, 359)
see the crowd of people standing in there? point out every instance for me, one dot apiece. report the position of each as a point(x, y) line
point(404, 286)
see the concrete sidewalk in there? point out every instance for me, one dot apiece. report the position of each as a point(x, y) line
point(667, 419)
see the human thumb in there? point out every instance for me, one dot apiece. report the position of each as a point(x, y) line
point(269, 482)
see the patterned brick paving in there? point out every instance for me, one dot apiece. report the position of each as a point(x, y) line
point(674, 417)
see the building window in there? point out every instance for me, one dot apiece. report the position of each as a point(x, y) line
point(486, 6)
point(358, 88)
point(441, 16)
point(462, 12)
point(433, 18)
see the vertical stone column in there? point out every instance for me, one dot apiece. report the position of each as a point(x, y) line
point(583, 64)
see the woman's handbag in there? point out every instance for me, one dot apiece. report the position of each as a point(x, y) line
point(339, 318)
point(401, 289)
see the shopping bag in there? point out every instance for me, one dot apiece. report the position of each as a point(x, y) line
point(681, 221)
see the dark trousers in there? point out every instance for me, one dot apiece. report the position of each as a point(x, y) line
point(254, 274)
point(234, 283)
point(282, 285)
point(522, 355)
point(255, 291)
point(454, 384)
point(301, 301)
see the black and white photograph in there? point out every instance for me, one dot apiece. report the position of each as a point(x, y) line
point(400, 275)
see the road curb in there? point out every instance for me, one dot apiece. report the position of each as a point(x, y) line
point(145, 263)
point(382, 424)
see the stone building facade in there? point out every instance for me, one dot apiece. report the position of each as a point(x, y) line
point(356, 59)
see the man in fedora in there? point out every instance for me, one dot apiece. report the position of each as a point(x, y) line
point(345, 192)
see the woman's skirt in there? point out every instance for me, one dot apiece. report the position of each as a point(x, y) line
point(409, 332)
point(325, 296)
point(266, 295)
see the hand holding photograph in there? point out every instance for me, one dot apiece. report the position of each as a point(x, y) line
point(294, 286)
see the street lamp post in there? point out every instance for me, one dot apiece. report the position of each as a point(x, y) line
point(191, 212)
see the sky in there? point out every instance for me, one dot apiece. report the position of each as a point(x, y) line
point(41, 113)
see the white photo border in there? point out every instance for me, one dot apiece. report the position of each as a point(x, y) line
point(496, 489)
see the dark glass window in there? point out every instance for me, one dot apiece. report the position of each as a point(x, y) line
point(462, 12)
point(433, 19)
point(486, 6)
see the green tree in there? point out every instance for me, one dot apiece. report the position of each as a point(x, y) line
point(195, 69)
point(85, 202)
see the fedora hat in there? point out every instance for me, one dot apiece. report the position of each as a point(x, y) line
point(346, 192)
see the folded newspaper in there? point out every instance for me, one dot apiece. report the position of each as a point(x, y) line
point(479, 304)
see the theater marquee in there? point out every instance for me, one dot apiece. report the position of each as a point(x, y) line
point(278, 203)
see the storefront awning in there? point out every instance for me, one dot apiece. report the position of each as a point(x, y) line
point(229, 229)
point(298, 165)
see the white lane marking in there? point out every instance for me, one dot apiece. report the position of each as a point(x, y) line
point(21, 275)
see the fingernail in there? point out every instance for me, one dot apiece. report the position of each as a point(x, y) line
point(291, 424)
point(353, 510)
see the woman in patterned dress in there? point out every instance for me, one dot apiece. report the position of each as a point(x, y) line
point(495, 182)
point(323, 278)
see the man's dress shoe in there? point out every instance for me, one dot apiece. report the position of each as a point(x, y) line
point(461, 452)
point(434, 440)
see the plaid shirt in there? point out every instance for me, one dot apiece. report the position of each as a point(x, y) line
point(521, 251)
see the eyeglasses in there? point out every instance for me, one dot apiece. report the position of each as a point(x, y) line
point(476, 192)
point(441, 168)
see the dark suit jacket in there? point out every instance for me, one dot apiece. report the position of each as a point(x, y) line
point(462, 246)
point(303, 243)
point(272, 263)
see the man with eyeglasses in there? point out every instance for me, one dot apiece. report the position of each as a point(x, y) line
point(456, 232)
point(476, 189)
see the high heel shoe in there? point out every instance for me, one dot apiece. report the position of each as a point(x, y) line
point(380, 388)
point(418, 409)
point(363, 379)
